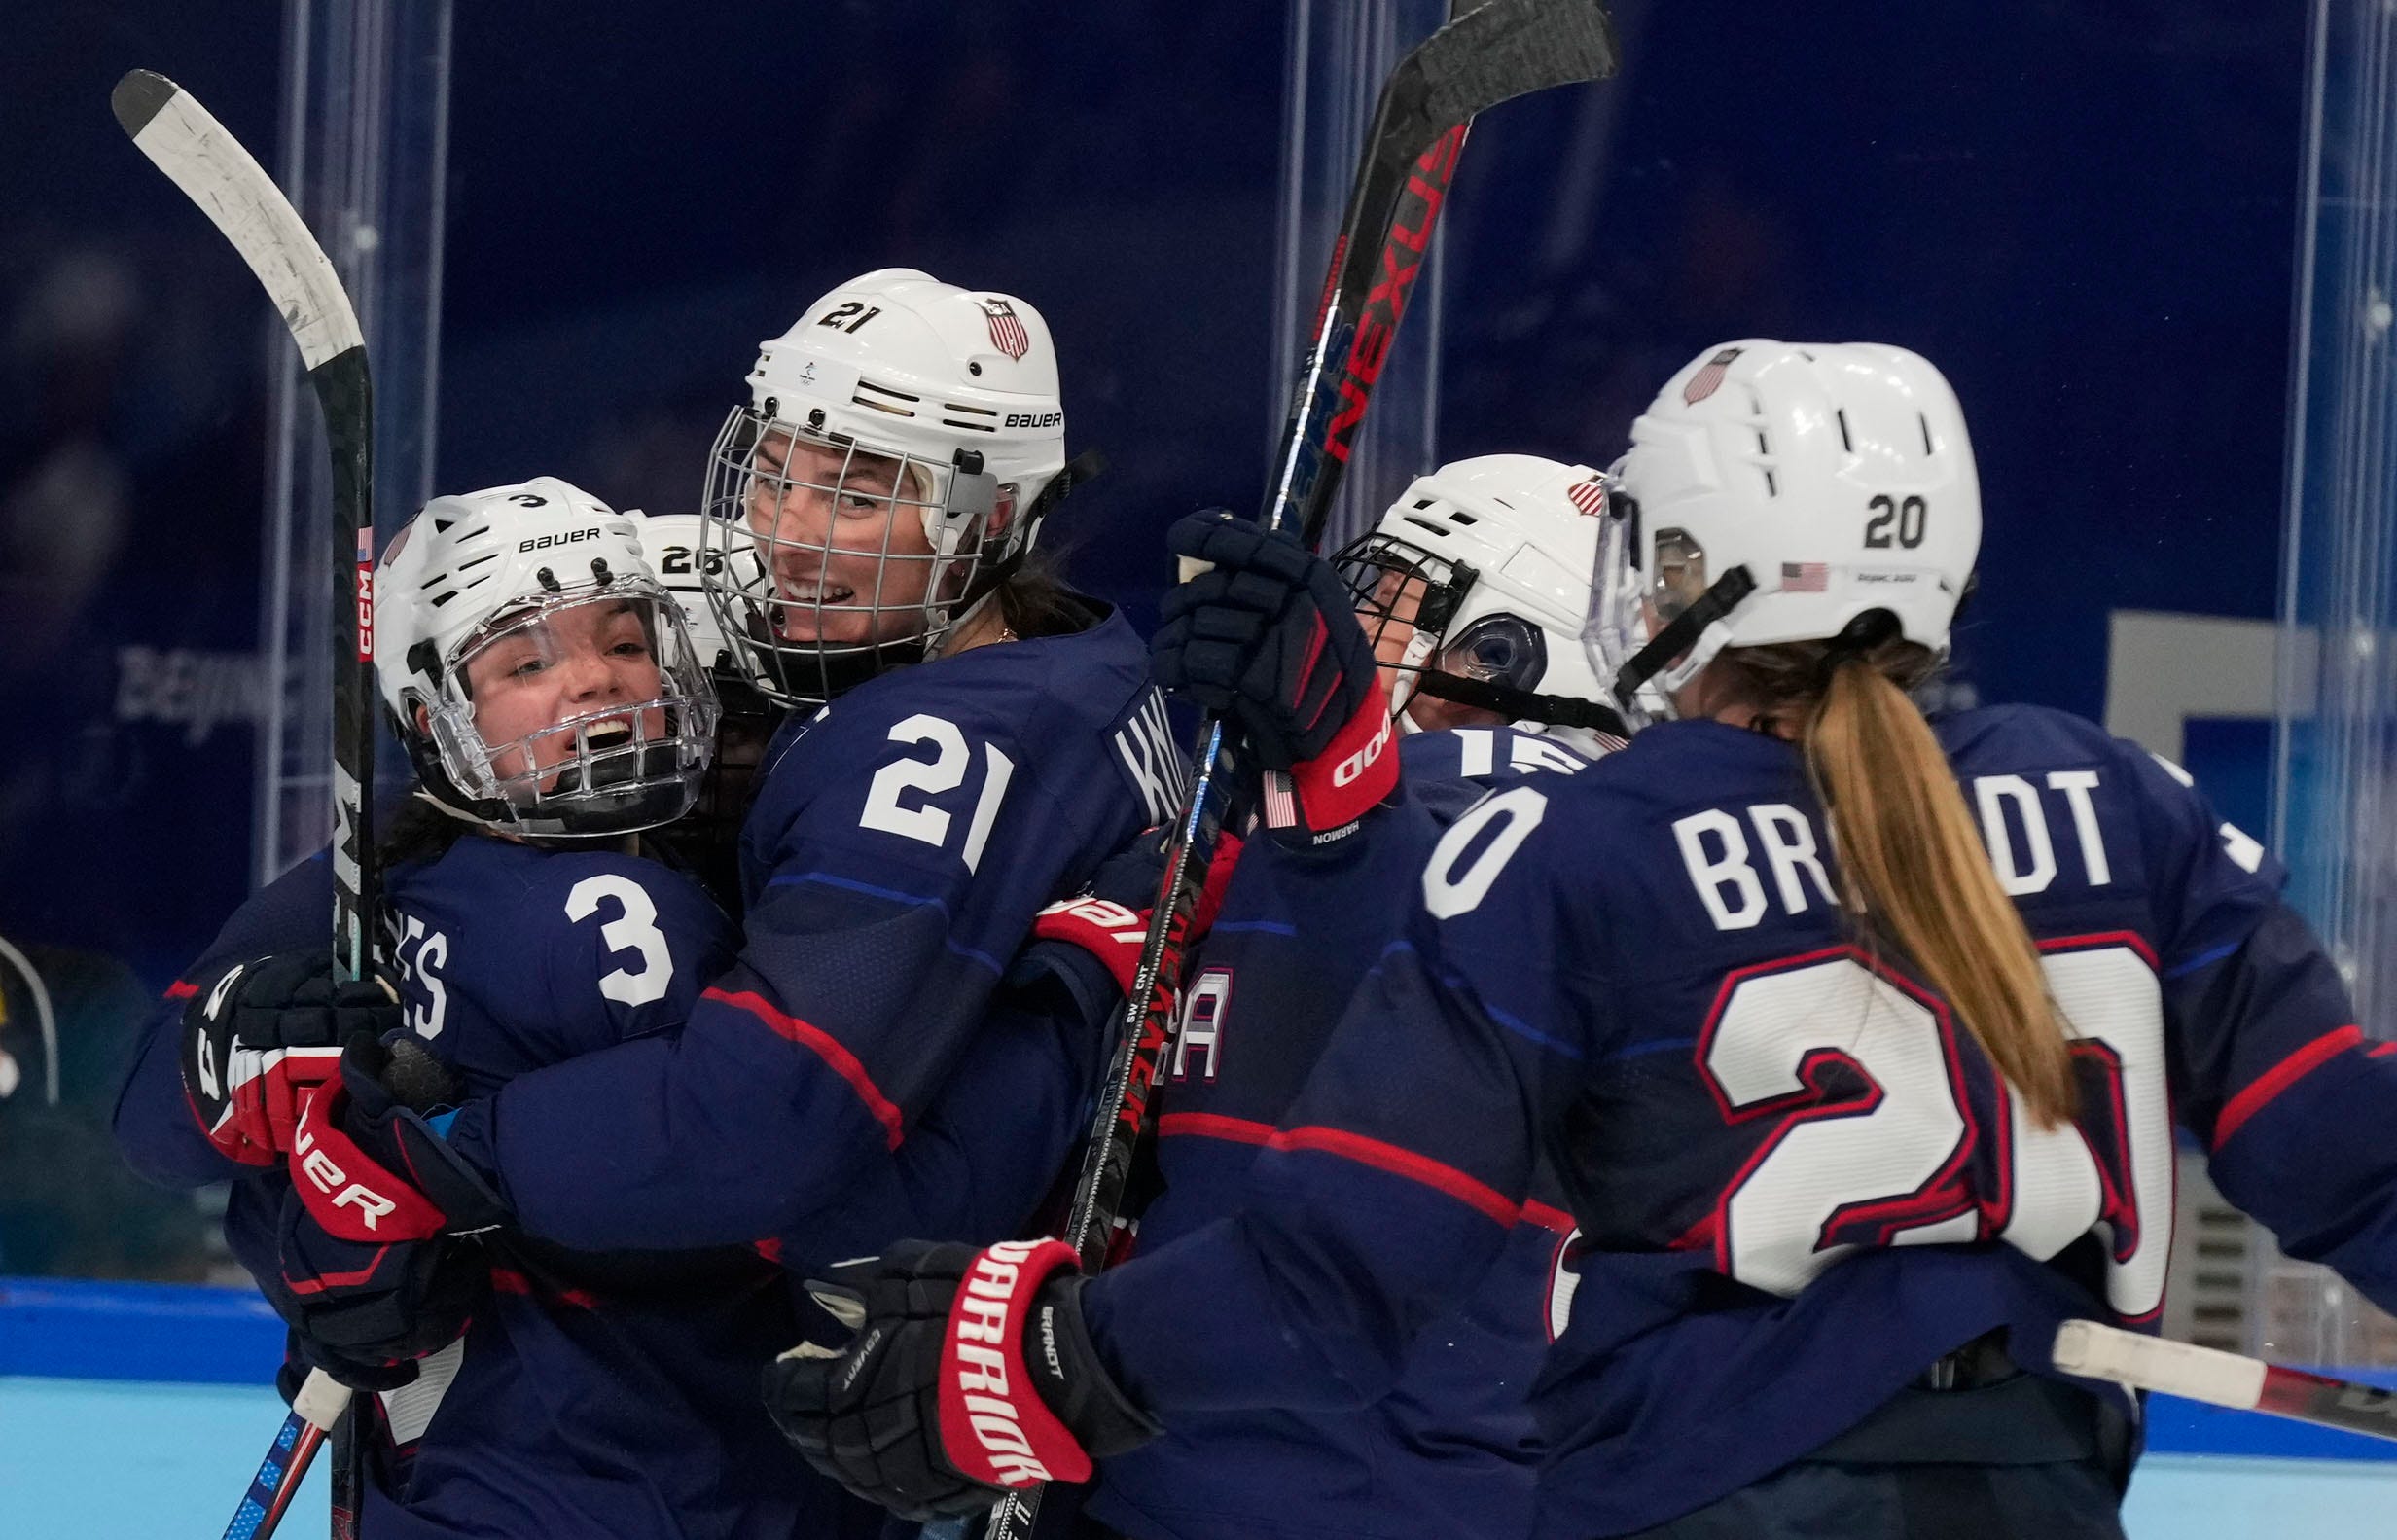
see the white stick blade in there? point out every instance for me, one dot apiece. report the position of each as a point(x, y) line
point(2095, 1351)
point(197, 154)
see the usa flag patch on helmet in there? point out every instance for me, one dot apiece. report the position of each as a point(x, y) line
point(1007, 332)
point(1708, 379)
point(1589, 497)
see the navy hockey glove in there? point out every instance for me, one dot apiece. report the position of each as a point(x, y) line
point(1266, 635)
point(364, 1313)
point(259, 1035)
point(936, 1406)
point(369, 1166)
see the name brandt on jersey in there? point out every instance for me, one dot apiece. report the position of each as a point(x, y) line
point(2015, 824)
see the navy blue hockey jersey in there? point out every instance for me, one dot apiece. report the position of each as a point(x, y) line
point(590, 1395)
point(900, 845)
point(1451, 1449)
point(1798, 1181)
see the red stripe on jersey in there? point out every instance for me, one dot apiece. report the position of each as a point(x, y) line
point(506, 1281)
point(2103, 938)
point(179, 990)
point(828, 1048)
point(2281, 1077)
point(1547, 1218)
point(2380, 1049)
point(1401, 1163)
point(1214, 1125)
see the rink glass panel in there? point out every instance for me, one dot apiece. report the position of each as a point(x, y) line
point(2086, 220)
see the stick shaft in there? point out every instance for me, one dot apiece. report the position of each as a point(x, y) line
point(2096, 1351)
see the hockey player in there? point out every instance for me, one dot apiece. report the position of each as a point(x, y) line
point(552, 706)
point(1858, 1043)
point(1471, 591)
point(972, 740)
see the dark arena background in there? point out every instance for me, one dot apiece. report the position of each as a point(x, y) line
point(2149, 243)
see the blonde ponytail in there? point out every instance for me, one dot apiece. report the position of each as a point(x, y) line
point(1913, 868)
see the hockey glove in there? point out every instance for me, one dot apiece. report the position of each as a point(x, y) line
point(1266, 634)
point(1110, 921)
point(260, 1035)
point(358, 1135)
point(364, 1313)
point(971, 1373)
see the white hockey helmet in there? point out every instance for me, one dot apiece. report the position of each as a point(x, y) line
point(902, 394)
point(677, 551)
point(1482, 562)
point(531, 577)
point(1782, 492)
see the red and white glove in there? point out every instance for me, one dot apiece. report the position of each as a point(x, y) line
point(260, 1035)
point(371, 1167)
point(1111, 919)
point(936, 1407)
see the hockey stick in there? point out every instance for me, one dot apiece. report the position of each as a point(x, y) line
point(212, 168)
point(1492, 54)
point(2209, 1375)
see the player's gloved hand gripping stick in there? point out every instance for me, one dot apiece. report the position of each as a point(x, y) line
point(933, 1433)
point(211, 166)
point(260, 1035)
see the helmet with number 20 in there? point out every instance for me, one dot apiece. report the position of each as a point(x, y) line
point(1838, 478)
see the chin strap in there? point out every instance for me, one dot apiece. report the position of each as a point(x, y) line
point(1078, 470)
point(1522, 705)
point(1683, 632)
point(985, 582)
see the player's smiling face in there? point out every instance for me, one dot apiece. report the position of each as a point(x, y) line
point(842, 532)
point(572, 664)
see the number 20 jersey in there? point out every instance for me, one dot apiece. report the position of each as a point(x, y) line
point(1797, 1178)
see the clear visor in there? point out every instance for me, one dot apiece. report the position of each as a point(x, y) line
point(838, 556)
point(1635, 594)
point(587, 711)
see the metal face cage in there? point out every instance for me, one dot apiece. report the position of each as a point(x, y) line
point(1405, 597)
point(839, 559)
point(585, 712)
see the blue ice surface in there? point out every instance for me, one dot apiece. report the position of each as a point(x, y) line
point(142, 1411)
point(137, 1459)
point(111, 1459)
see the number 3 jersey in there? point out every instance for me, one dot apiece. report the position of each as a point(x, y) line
point(591, 1394)
point(1798, 1181)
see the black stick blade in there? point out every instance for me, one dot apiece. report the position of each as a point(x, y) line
point(138, 98)
point(1508, 49)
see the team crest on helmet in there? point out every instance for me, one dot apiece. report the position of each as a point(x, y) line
point(1007, 332)
point(1708, 379)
